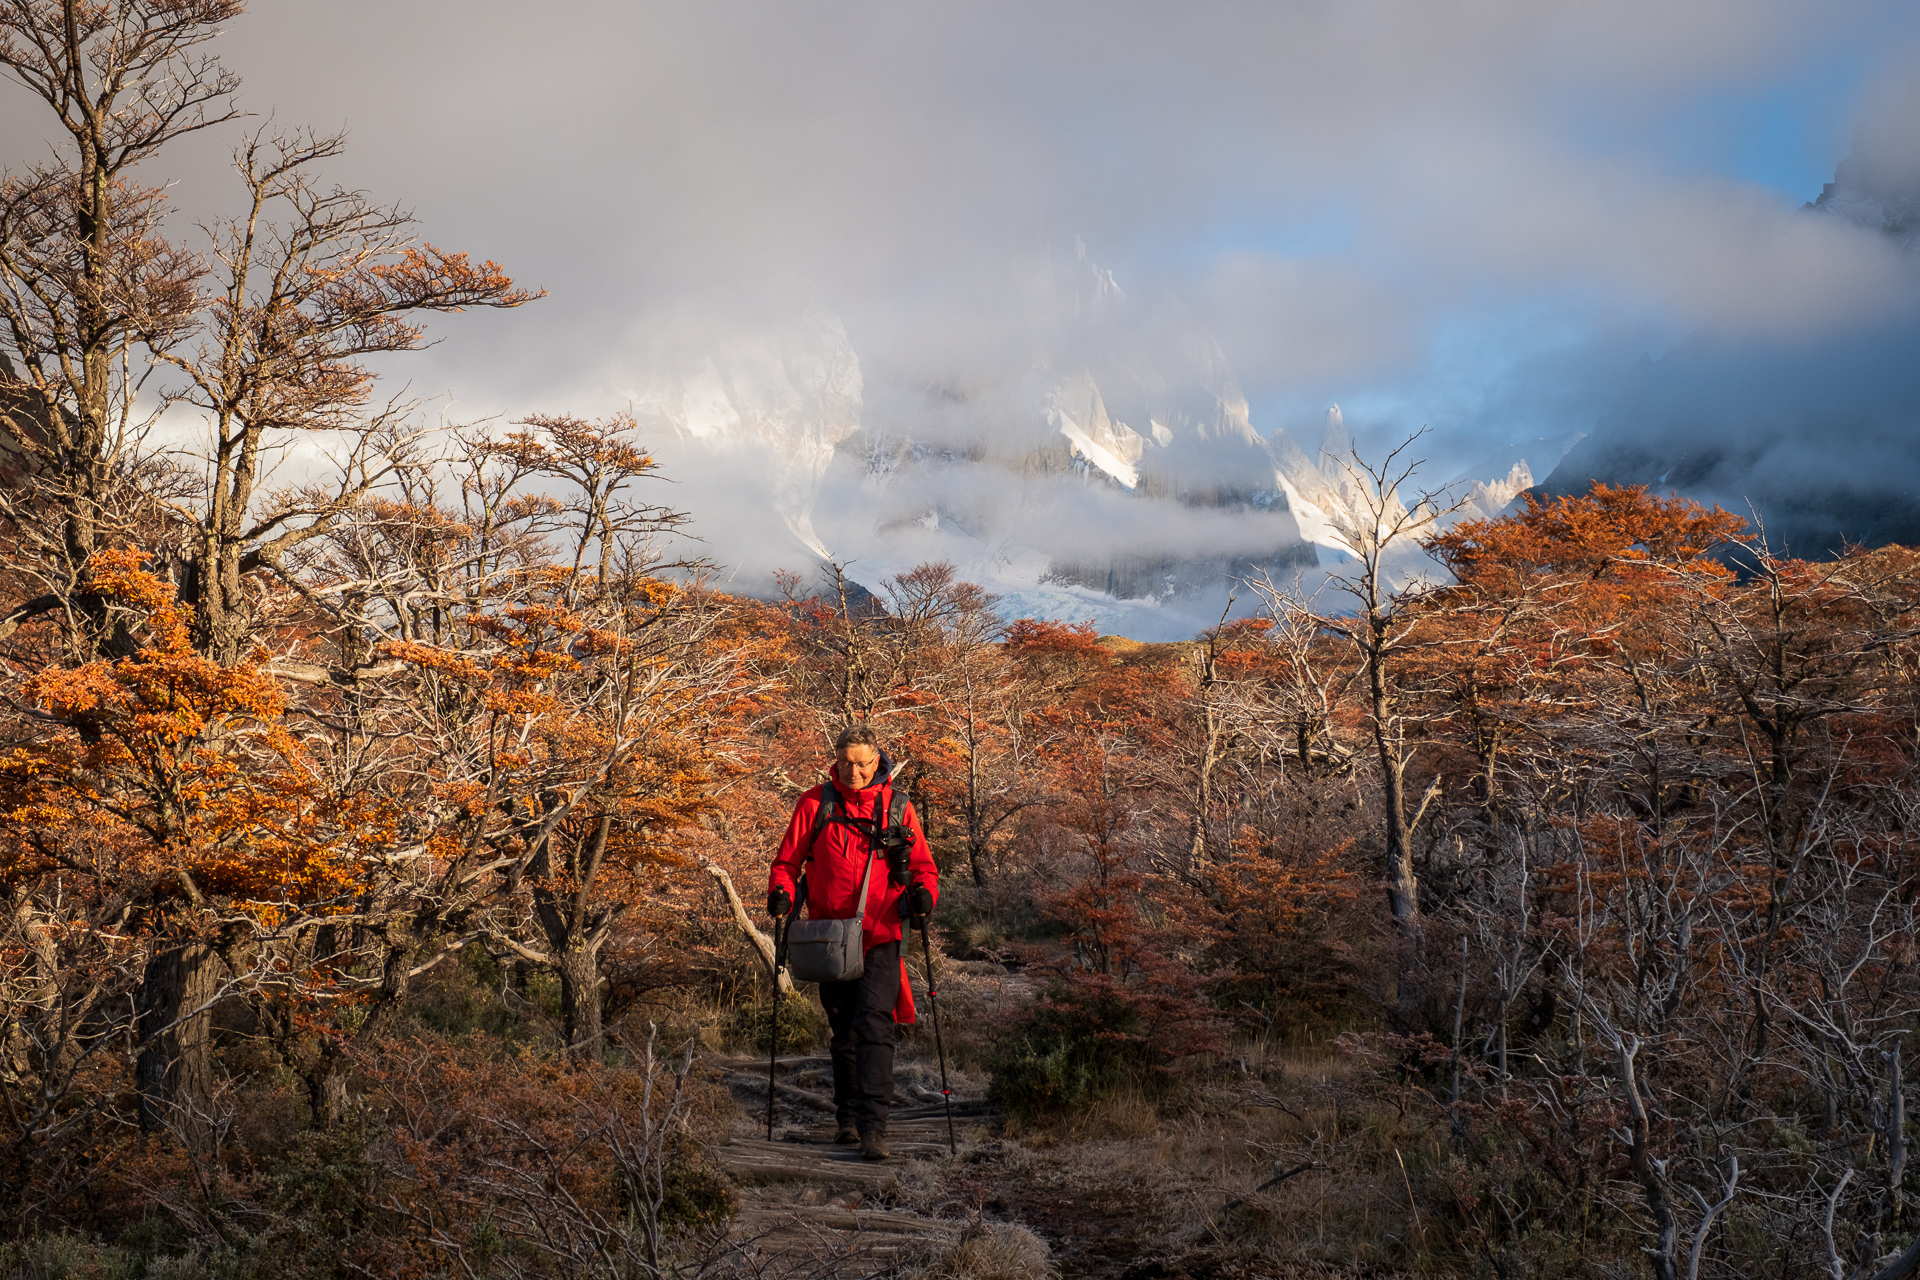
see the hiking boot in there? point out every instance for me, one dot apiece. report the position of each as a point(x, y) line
point(873, 1146)
point(846, 1136)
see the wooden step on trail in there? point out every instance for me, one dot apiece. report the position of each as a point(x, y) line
point(760, 1064)
point(973, 1110)
point(866, 1221)
point(780, 1220)
point(807, 1153)
point(757, 1160)
point(782, 1090)
point(825, 1240)
point(906, 1141)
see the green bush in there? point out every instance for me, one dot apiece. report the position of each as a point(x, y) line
point(981, 924)
point(479, 995)
point(1074, 1046)
point(801, 1026)
point(66, 1257)
point(70, 1257)
point(326, 1189)
point(699, 1195)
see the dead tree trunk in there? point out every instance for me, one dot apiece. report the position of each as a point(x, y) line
point(1646, 1169)
point(1403, 884)
point(762, 943)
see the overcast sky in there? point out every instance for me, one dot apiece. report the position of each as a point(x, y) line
point(1460, 213)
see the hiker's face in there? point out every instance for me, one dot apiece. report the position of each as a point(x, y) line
point(858, 763)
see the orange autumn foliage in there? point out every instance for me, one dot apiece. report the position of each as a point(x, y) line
point(193, 758)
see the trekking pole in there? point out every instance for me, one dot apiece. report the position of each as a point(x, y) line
point(773, 1038)
point(939, 1044)
point(782, 935)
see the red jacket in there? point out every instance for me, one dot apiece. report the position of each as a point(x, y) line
point(839, 860)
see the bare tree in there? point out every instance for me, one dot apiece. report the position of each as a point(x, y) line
point(1383, 533)
point(305, 283)
point(87, 282)
point(311, 280)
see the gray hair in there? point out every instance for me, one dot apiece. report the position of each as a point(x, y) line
point(857, 735)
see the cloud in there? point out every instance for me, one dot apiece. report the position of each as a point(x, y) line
point(895, 159)
point(1816, 438)
point(1396, 202)
point(1288, 320)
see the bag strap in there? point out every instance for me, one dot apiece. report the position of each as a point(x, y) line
point(866, 882)
point(830, 800)
point(828, 813)
point(896, 804)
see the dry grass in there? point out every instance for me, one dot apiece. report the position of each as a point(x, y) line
point(995, 1251)
point(1120, 1185)
point(1128, 1114)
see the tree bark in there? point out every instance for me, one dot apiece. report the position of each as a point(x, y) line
point(976, 815)
point(174, 1072)
point(579, 969)
point(977, 861)
point(1646, 1170)
point(327, 1087)
point(1403, 886)
point(575, 931)
point(1210, 735)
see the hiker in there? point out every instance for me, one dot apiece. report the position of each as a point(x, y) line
point(837, 851)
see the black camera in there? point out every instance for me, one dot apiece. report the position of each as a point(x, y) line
point(897, 841)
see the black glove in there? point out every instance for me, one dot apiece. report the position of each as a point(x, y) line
point(779, 904)
point(919, 904)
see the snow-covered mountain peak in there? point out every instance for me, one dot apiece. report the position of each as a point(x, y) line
point(1076, 411)
point(1878, 185)
point(774, 403)
point(1118, 476)
point(1336, 447)
point(1491, 486)
point(1486, 499)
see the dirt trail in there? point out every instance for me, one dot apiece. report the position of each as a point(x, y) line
point(816, 1209)
point(806, 1202)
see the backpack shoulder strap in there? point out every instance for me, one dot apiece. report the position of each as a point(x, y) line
point(829, 803)
point(896, 807)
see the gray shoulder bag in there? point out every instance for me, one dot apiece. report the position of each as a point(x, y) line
point(830, 950)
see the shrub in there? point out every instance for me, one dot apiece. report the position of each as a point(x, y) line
point(577, 1162)
point(995, 1251)
point(699, 1195)
point(66, 1257)
point(1078, 1044)
point(801, 1026)
point(1285, 932)
point(327, 1188)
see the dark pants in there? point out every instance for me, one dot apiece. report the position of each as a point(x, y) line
point(861, 1015)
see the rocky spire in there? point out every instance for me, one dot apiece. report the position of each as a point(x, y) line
point(1336, 448)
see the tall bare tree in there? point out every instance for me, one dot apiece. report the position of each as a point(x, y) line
point(88, 284)
point(1385, 586)
point(270, 337)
